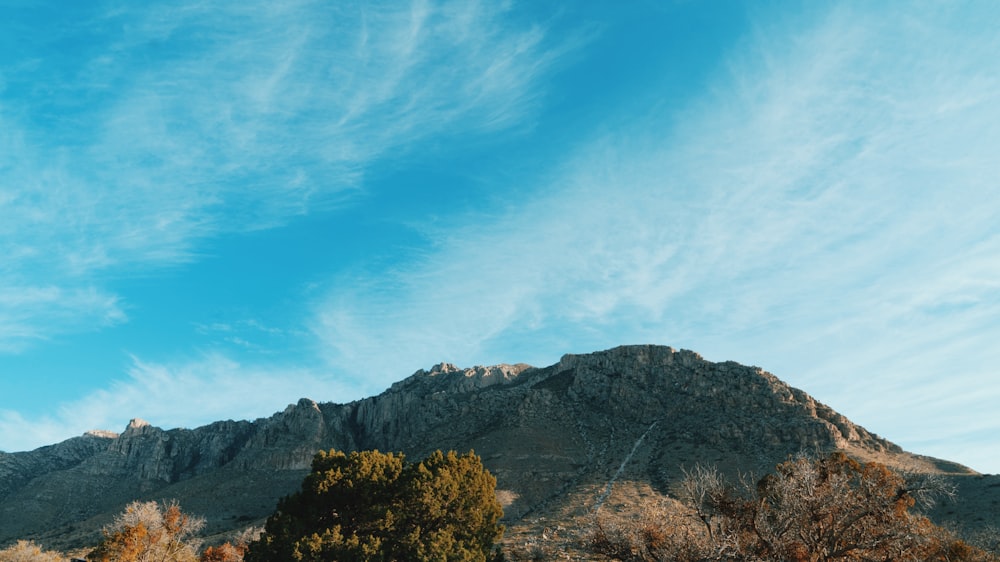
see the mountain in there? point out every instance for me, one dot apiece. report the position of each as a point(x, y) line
point(608, 430)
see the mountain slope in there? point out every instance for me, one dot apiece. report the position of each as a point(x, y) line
point(562, 441)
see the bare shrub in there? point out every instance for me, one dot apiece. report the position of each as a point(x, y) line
point(810, 510)
point(27, 551)
point(149, 531)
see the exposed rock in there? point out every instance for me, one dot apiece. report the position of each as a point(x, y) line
point(101, 433)
point(557, 439)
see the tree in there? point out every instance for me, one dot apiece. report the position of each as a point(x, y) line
point(809, 510)
point(451, 509)
point(835, 509)
point(820, 510)
point(150, 532)
point(374, 506)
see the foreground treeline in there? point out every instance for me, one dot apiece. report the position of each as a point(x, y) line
point(809, 510)
point(372, 506)
point(362, 506)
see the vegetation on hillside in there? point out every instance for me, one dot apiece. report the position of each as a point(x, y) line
point(149, 531)
point(27, 551)
point(360, 506)
point(809, 510)
point(374, 506)
point(161, 532)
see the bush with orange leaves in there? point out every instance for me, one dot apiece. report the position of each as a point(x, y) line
point(148, 532)
point(226, 552)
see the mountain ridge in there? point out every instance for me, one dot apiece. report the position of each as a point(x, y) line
point(561, 440)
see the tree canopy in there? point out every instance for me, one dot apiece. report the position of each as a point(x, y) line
point(375, 506)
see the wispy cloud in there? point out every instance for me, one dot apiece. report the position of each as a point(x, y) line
point(167, 125)
point(25, 312)
point(182, 394)
point(827, 211)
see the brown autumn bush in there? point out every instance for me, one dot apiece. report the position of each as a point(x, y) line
point(809, 510)
point(148, 532)
point(28, 551)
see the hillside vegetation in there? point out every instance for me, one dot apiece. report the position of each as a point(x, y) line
point(600, 434)
point(374, 507)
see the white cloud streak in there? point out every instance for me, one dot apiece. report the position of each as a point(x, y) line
point(172, 124)
point(827, 211)
point(183, 394)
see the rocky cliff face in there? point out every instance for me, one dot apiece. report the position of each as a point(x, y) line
point(557, 438)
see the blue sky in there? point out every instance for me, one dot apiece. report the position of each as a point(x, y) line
point(209, 210)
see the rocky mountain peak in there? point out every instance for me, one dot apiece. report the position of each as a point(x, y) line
point(446, 377)
point(442, 368)
point(556, 436)
point(723, 404)
point(304, 404)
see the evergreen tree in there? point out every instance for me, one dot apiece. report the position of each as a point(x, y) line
point(372, 506)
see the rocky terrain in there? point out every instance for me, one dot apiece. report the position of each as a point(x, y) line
point(602, 431)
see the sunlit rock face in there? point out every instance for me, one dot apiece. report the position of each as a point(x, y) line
point(557, 438)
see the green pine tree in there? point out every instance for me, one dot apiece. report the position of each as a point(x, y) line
point(372, 506)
